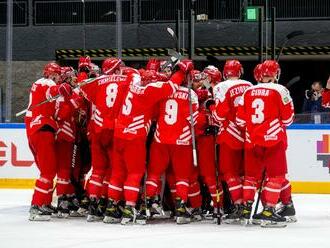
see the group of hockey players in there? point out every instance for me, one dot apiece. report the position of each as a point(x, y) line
point(121, 143)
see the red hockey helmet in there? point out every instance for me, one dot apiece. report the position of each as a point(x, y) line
point(129, 71)
point(110, 65)
point(257, 73)
point(232, 68)
point(51, 68)
point(84, 62)
point(270, 68)
point(213, 73)
point(67, 73)
point(153, 64)
point(134, 74)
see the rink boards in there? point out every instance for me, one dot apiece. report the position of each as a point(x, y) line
point(308, 158)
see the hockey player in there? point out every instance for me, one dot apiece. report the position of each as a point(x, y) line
point(131, 129)
point(173, 146)
point(106, 93)
point(265, 110)
point(84, 67)
point(153, 65)
point(41, 128)
point(230, 138)
point(285, 208)
point(65, 138)
point(206, 131)
point(167, 70)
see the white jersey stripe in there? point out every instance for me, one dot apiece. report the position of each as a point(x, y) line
point(235, 135)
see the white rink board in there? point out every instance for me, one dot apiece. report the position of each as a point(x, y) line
point(302, 156)
point(302, 153)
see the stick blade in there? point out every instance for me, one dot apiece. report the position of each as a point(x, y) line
point(170, 31)
point(21, 113)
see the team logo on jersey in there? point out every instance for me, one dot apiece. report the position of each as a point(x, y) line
point(323, 150)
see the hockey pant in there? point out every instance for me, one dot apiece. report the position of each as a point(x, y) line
point(128, 168)
point(42, 145)
point(101, 152)
point(231, 166)
point(206, 166)
point(180, 159)
point(273, 161)
point(64, 152)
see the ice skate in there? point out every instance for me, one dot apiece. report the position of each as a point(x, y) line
point(83, 206)
point(94, 212)
point(288, 212)
point(112, 213)
point(196, 214)
point(246, 213)
point(74, 207)
point(235, 216)
point(181, 213)
point(129, 215)
point(155, 209)
point(270, 219)
point(63, 207)
point(141, 215)
point(38, 213)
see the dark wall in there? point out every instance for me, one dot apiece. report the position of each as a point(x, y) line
point(40, 42)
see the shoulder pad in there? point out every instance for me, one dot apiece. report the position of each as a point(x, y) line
point(280, 89)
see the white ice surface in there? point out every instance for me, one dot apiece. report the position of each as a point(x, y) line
point(311, 230)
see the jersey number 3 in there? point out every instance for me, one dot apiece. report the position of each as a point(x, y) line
point(259, 106)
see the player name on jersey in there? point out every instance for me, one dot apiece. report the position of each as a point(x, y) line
point(181, 95)
point(238, 90)
point(260, 92)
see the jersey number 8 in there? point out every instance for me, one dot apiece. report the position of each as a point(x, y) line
point(111, 92)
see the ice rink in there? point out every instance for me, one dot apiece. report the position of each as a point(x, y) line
point(311, 230)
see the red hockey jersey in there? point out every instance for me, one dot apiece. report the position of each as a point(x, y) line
point(174, 123)
point(64, 116)
point(204, 119)
point(42, 115)
point(106, 93)
point(134, 119)
point(326, 98)
point(227, 95)
point(264, 110)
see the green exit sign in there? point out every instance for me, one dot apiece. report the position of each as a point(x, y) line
point(251, 14)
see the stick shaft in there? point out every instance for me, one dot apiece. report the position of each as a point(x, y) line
point(193, 137)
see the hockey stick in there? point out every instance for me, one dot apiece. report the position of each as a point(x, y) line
point(86, 81)
point(292, 82)
point(77, 186)
point(192, 128)
point(288, 37)
point(173, 35)
point(259, 192)
point(84, 27)
point(175, 57)
point(218, 188)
